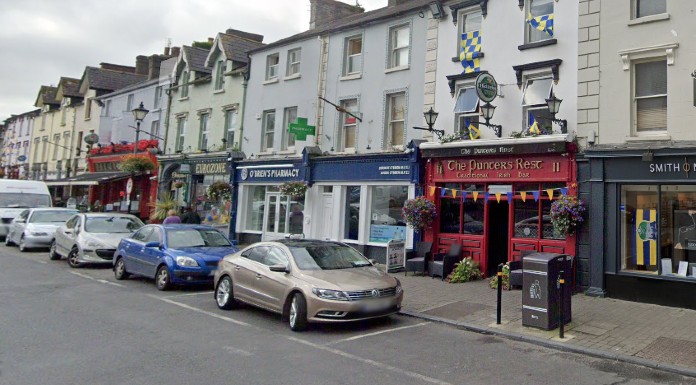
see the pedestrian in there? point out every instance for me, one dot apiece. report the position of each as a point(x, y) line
point(171, 217)
point(190, 216)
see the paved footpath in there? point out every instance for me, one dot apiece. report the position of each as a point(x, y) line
point(650, 335)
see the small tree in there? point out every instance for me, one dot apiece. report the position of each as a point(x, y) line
point(161, 207)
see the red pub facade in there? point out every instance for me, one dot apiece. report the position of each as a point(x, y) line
point(494, 196)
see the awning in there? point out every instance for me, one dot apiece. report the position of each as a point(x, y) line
point(89, 179)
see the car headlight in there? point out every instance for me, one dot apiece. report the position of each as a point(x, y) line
point(331, 294)
point(399, 290)
point(38, 233)
point(186, 261)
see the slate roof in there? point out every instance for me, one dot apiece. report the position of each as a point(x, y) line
point(47, 94)
point(110, 80)
point(195, 58)
point(71, 87)
point(355, 21)
point(236, 47)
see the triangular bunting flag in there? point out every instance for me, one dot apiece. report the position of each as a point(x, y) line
point(564, 191)
point(536, 196)
point(463, 195)
point(443, 192)
point(510, 195)
point(486, 196)
point(550, 192)
point(475, 194)
point(523, 194)
point(431, 190)
point(454, 193)
point(497, 196)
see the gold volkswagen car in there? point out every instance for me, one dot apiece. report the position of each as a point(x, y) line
point(307, 281)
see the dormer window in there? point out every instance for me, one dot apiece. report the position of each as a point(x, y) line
point(220, 75)
point(185, 84)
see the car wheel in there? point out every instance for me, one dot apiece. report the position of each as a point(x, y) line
point(298, 313)
point(162, 279)
point(23, 244)
point(224, 295)
point(73, 260)
point(8, 240)
point(120, 270)
point(52, 255)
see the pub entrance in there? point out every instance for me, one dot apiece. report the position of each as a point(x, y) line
point(497, 235)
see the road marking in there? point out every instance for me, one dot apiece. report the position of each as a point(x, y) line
point(42, 262)
point(110, 283)
point(370, 362)
point(228, 319)
point(376, 333)
point(83, 275)
point(190, 294)
point(237, 351)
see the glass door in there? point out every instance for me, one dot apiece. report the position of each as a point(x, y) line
point(275, 217)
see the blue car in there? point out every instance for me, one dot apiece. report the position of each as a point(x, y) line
point(172, 254)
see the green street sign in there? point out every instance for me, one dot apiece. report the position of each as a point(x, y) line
point(301, 129)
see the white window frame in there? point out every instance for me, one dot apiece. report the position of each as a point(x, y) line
point(88, 111)
point(180, 134)
point(129, 103)
point(272, 64)
point(268, 130)
point(529, 31)
point(348, 56)
point(635, 99)
point(154, 129)
point(288, 142)
point(185, 84)
point(231, 116)
point(203, 129)
point(390, 123)
point(343, 126)
point(395, 49)
point(44, 158)
point(220, 75)
point(294, 62)
point(462, 26)
point(107, 107)
point(158, 97)
point(66, 144)
point(35, 158)
point(541, 106)
point(635, 9)
point(471, 114)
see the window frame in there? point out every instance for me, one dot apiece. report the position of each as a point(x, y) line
point(230, 126)
point(635, 8)
point(544, 124)
point(389, 122)
point(461, 116)
point(462, 26)
point(634, 99)
point(271, 67)
point(158, 97)
point(155, 129)
point(294, 59)
point(347, 55)
point(288, 141)
point(56, 141)
point(185, 77)
point(529, 30)
point(203, 130)
point(395, 49)
point(219, 75)
point(129, 102)
point(180, 134)
point(343, 126)
point(268, 131)
point(88, 112)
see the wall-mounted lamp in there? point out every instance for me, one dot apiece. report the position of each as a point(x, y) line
point(436, 10)
point(591, 139)
point(430, 118)
point(554, 105)
point(487, 110)
point(647, 156)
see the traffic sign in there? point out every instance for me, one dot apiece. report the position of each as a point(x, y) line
point(129, 186)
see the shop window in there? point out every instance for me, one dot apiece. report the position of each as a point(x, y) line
point(678, 230)
point(650, 96)
point(643, 8)
point(526, 218)
point(450, 214)
point(386, 222)
point(639, 229)
point(255, 207)
point(352, 213)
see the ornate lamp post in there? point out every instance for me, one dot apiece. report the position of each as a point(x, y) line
point(139, 114)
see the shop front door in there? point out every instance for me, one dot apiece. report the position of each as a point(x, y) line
point(275, 216)
point(497, 234)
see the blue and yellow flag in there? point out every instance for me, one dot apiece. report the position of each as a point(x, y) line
point(646, 237)
point(533, 125)
point(471, 50)
point(474, 132)
point(543, 23)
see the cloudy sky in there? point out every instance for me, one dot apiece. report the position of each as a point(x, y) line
point(42, 40)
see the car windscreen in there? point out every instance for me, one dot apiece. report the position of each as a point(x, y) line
point(182, 238)
point(17, 200)
point(112, 224)
point(50, 216)
point(327, 257)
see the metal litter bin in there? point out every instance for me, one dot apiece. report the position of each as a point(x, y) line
point(540, 293)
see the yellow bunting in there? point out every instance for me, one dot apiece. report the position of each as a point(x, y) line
point(550, 192)
point(431, 190)
point(497, 196)
point(475, 194)
point(454, 193)
point(523, 194)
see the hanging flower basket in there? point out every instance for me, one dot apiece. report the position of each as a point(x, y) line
point(179, 184)
point(419, 213)
point(293, 189)
point(567, 214)
point(219, 191)
point(136, 163)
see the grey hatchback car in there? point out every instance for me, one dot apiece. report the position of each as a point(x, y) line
point(307, 281)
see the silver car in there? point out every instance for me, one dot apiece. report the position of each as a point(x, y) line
point(92, 238)
point(35, 227)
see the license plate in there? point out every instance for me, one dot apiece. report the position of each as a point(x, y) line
point(376, 305)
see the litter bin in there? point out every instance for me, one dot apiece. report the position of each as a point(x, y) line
point(540, 294)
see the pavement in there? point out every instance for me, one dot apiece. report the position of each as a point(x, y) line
point(648, 335)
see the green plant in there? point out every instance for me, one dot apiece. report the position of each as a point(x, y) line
point(162, 206)
point(219, 190)
point(294, 189)
point(465, 271)
point(493, 282)
point(136, 163)
point(453, 138)
point(567, 214)
point(419, 212)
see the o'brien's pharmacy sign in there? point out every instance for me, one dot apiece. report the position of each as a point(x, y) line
point(268, 173)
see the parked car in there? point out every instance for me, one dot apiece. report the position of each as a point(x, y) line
point(36, 227)
point(307, 281)
point(92, 237)
point(172, 254)
point(17, 195)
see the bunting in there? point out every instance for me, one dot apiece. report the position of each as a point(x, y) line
point(543, 23)
point(464, 195)
point(497, 196)
point(533, 125)
point(474, 132)
point(471, 52)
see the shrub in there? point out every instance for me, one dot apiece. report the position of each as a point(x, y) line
point(493, 282)
point(465, 271)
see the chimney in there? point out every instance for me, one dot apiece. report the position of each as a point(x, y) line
point(175, 51)
point(141, 63)
point(166, 51)
point(211, 40)
point(154, 62)
point(323, 12)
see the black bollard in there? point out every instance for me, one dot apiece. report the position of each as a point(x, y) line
point(500, 292)
point(561, 324)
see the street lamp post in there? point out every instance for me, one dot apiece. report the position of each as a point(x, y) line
point(139, 114)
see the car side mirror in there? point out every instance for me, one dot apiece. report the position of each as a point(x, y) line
point(153, 244)
point(279, 268)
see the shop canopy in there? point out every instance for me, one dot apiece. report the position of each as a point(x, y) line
point(89, 179)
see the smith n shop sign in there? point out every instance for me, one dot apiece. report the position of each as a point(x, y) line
point(667, 168)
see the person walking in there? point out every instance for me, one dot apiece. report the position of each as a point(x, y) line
point(190, 216)
point(171, 218)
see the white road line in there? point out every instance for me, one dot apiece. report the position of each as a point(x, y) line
point(228, 319)
point(236, 351)
point(376, 333)
point(82, 275)
point(42, 262)
point(190, 294)
point(110, 283)
point(370, 362)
